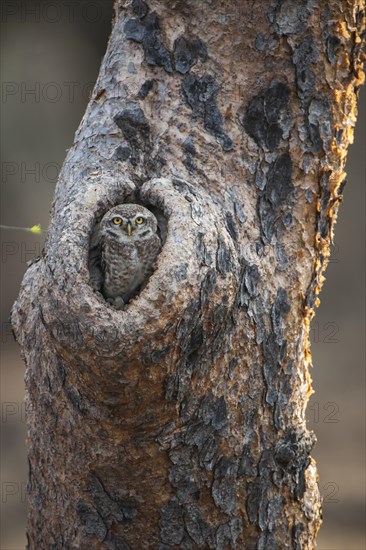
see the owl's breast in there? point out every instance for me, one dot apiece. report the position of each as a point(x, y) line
point(127, 266)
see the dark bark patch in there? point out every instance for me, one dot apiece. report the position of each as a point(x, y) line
point(288, 17)
point(204, 442)
point(222, 331)
point(70, 331)
point(145, 89)
point(231, 226)
point(223, 258)
point(208, 447)
point(197, 528)
point(202, 251)
point(181, 477)
point(275, 509)
point(200, 94)
point(131, 68)
point(342, 186)
point(75, 399)
point(267, 541)
point(311, 293)
point(191, 339)
point(324, 224)
point(285, 389)
point(214, 411)
point(305, 54)
point(189, 152)
point(279, 181)
point(208, 287)
point(259, 321)
point(135, 129)
point(224, 487)
point(239, 212)
point(339, 136)
point(61, 371)
point(184, 187)
point(199, 91)
point(172, 387)
point(206, 422)
point(249, 280)
point(292, 457)
point(259, 178)
point(274, 346)
point(195, 342)
point(103, 434)
point(223, 537)
point(187, 52)
point(266, 116)
point(287, 220)
point(319, 121)
point(272, 351)
point(193, 361)
point(139, 8)
point(176, 386)
point(123, 153)
point(282, 258)
point(258, 491)
point(186, 543)
point(333, 45)
point(297, 531)
point(236, 528)
point(155, 51)
point(158, 355)
point(171, 522)
point(188, 409)
point(267, 217)
point(108, 507)
point(203, 437)
point(90, 519)
point(276, 194)
point(266, 467)
point(166, 435)
point(248, 464)
point(154, 166)
point(188, 146)
point(134, 30)
point(325, 227)
point(113, 542)
point(146, 31)
point(254, 495)
point(280, 310)
point(260, 42)
point(232, 367)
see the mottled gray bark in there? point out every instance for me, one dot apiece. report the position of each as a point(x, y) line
point(179, 422)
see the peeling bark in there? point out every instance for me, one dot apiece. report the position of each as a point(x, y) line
point(179, 422)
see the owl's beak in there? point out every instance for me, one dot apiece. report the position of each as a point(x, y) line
point(129, 228)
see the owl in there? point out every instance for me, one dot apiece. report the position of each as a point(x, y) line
point(123, 250)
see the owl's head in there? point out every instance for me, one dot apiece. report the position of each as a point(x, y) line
point(129, 222)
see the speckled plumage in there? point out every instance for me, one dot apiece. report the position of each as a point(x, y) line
point(127, 252)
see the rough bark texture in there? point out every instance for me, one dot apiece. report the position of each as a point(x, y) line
point(180, 422)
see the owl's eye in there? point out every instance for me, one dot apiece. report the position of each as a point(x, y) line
point(117, 221)
point(139, 220)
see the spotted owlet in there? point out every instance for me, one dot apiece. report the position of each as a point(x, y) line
point(123, 251)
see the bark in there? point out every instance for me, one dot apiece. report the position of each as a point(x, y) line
point(180, 421)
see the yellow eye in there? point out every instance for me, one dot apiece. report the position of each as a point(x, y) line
point(139, 220)
point(117, 221)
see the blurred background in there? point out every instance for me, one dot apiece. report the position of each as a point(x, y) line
point(51, 53)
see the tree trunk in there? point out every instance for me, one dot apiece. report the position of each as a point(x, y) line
point(179, 422)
